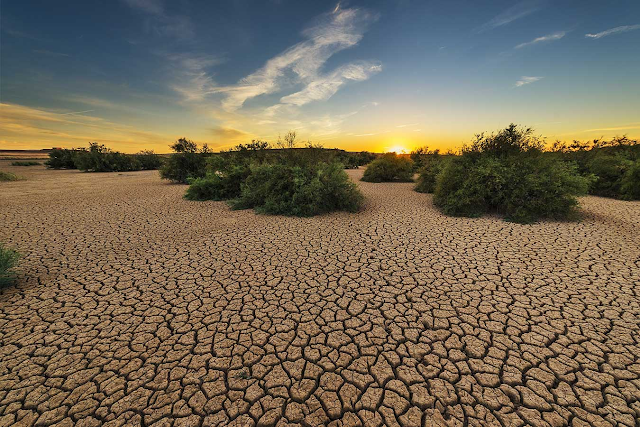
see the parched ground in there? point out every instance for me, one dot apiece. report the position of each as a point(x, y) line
point(136, 307)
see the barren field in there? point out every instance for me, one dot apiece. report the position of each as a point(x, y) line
point(136, 307)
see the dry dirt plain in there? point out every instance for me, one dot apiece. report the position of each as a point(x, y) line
point(135, 307)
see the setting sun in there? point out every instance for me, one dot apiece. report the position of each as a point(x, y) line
point(398, 149)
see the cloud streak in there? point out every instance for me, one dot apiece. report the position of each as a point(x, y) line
point(334, 32)
point(525, 80)
point(515, 12)
point(543, 39)
point(616, 30)
point(324, 87)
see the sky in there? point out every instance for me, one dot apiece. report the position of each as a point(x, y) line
point(375, 75)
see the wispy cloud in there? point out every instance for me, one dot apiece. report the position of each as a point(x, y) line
point(404, 126)
point(525, 80)
point(193, 81)
point(226, 133)
point(324, 87)
point(616, 30)
point(74, 113)
point(515, 12)
point(628, 127)
point(50, 53)
point(161, 23)
point(547, 38)
point(22, 125)
point(334, 32)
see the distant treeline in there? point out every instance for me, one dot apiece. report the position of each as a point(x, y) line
point(187, 161)
point(99, 158)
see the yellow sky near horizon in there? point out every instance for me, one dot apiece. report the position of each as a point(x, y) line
point(26, 128)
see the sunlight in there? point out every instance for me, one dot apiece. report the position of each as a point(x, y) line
point(398, 149)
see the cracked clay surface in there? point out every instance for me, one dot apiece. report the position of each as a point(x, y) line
point(136, 307)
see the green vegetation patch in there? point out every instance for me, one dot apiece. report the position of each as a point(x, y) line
point(284, 181)
point(99, 158)
point(8, 260)
point(8, 176)
point(389, 168)
point(25, 163)
point(509, 174)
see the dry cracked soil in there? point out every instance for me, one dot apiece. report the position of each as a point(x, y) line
point(136, 307)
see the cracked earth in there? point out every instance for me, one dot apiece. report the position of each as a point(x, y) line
point(136, 307)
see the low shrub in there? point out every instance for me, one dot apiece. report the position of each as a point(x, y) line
point(389, 167)
point(630, 183)
point(420, 156)
point(283, 189)
point(187, 162)
point(607, 162)
point(218, 184)
point(507, 173)
point(8, 176)
point(62, 158)
point(286, 181)
point(99, 158)
point(148, 160)
point(25, 163)
point(431, 168)
point(8, 260)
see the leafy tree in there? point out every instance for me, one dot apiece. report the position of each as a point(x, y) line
point(186, 162)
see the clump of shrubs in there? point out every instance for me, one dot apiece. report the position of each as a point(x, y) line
point(62, 158)
point(508, 173)
point(8, 260)
point(187, 162)
point(8, 176)
point(25, 163)
point(284, 189)
point(389, 168)
point(286, 181)
point(429, 171)
point(99, 158)
point(611, 165)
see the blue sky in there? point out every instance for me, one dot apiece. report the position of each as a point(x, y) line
point(137, 74)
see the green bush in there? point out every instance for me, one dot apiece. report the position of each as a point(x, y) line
point(187, 162)
point(219, 185)
point(99, 158)
point(507, 173)
point(431, 168)
point(420, 157)
point(148, 160)
point(8, 260)
point(389, 167)
point(283, 189)
point(607, 162)
point(62, 158)
point(8, 176)
point(630, 183)
point(25, 163)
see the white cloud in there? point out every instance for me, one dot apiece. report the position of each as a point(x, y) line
point(517, 11)
point(334, 32)
point(324, 87)
point(194, 83)
point(525, 80)
point(547, 38)
point(616, 30)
